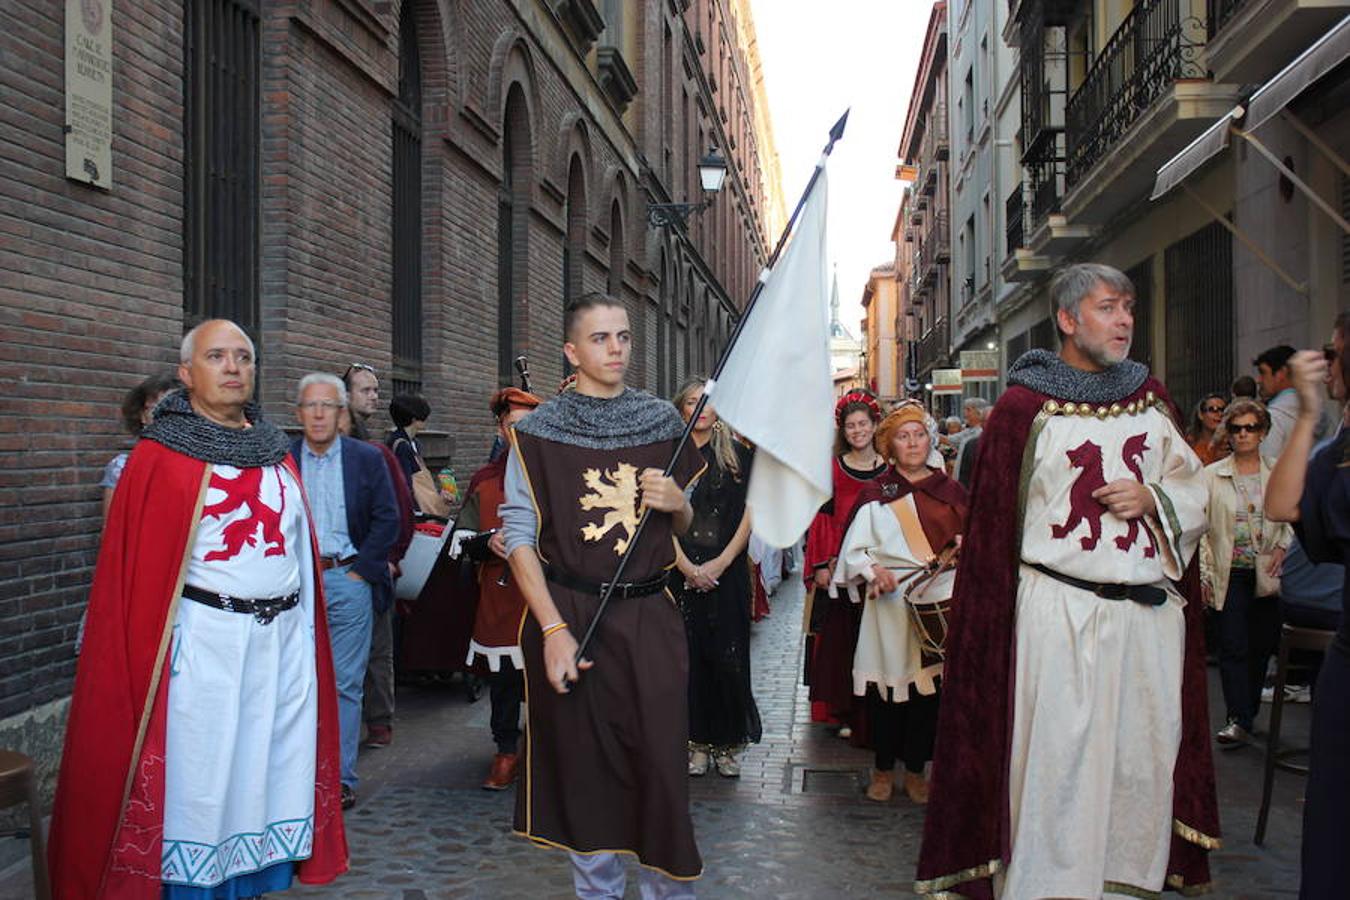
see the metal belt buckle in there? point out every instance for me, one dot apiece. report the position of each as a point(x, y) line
point(620, 588)
point(264, 613)
point(226, 602)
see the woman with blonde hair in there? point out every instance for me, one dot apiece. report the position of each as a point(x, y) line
point(1240, 559)
point(712, 587)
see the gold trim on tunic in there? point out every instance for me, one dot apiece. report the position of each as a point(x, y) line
point(937, 887)
point(1195, 836)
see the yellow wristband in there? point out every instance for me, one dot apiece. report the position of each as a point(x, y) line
point(554, 628)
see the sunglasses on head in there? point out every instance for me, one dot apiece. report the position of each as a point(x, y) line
point(357, 367)
point(1247, 429)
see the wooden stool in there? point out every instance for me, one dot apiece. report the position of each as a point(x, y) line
point(1291, 638)
point(18, 784)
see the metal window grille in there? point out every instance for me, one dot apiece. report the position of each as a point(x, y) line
point(1141, 350)
point(222, 153)
point(1199, 286)
point(407, 212)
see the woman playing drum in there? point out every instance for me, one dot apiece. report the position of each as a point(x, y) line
point(901, 545)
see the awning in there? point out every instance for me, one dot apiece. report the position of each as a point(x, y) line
point(1208, 145)
point(1332, 49)
point(1329, 52)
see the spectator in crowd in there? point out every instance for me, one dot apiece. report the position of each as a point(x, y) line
point(356, 524)
point(363, 392)
point(1273, 381)
point(1200, 433)
point(1243, 386)
point(410, 413)
point(138, 407)
point(1315, 495)
point(712, 585)
point(1240, 560)
point(976, 410)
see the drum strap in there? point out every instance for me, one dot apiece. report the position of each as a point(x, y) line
point(908, 516)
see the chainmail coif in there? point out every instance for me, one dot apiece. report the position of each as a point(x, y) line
point(180, 428)
point(1045, 373)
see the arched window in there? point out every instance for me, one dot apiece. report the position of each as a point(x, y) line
point(614, 286)
point(513, 199)
point(574, 241)
point(406, 306)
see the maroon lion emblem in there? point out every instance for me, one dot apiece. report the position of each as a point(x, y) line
point(1133, 454)
point(1082, 505)
point(246, 491)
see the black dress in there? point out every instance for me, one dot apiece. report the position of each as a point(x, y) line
point(1324, 532)
point(722, 711)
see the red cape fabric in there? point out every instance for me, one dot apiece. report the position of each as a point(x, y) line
point(967, 822)
point(107, 824)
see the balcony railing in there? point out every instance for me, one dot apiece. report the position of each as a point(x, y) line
point(1152, 49)
point(935, 247)
point(933, 346)
point(1046, 175)
point(1220, 12)
point(935, 143)
point(1015, 220)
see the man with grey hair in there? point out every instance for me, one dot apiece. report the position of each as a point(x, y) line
point(1087, 770)
point(204, 702)
point(355, 523)
point(976, 410)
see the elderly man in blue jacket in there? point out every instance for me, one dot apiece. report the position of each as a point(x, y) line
point(356, 523)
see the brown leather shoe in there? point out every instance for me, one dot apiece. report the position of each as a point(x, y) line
point(379, 735)
point(883, 784)
point(916, 787)
point(503, 772)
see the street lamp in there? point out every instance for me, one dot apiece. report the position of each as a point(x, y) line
point(712, 172)
point(991, 346)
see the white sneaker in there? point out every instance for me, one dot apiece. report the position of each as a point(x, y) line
point(1297, 693)
point(727, 766)
point(698, 763)
point(845, 732)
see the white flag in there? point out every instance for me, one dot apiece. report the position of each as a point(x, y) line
point(776, 387)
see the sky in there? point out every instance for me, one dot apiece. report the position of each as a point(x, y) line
point(820, 59)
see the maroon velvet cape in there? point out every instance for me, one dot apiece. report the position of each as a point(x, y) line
point(966, 833)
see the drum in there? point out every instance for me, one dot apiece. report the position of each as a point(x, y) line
point(929, 600)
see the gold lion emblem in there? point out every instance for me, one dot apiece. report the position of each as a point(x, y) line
point(614, 490)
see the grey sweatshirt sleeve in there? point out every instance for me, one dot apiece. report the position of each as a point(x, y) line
point(520, 523)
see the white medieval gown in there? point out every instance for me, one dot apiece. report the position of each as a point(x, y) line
point(1097, 691)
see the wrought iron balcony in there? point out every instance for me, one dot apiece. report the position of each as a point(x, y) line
point(1015, 220)
point(935, 248)
point(934, 346)
point(1159, 43)
point(1046, 175)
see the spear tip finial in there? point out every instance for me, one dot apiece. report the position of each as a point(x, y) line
point(838, 130)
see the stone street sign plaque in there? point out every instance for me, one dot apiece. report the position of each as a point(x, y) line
point(89, 122)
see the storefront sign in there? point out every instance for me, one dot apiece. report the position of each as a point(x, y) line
point(979, 365)
point(946, 381)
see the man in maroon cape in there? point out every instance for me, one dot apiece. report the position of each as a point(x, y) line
point(1072, 755)
point(209, 489)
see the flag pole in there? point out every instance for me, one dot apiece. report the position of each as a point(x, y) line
point(836, 132)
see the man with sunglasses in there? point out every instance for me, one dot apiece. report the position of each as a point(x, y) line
point(363, 397)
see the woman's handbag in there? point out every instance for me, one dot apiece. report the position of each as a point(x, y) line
point(425, 491)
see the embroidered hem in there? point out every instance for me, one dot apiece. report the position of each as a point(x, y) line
point(935, 888)
point(203, 865)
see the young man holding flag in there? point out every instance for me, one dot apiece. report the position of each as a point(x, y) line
point(604, 768)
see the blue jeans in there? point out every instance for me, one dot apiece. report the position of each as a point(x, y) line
point(1249, 632)
point(603, 876)
point(350, 619)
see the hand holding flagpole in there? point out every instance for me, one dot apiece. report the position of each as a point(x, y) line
point(836, 132)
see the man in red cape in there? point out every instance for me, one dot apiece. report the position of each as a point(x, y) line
point(985, 758)
point(107, 832)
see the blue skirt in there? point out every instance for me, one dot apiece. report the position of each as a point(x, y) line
point(273, 878)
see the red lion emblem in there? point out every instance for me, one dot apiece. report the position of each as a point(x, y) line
point(1133, 454)
point(1082, 505)
point(246, 491)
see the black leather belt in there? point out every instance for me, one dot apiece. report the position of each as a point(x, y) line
point(1146, 594)
point(264, 609)
point(622, 589)
point(332, 562)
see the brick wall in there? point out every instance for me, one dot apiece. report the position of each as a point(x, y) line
point(91, 281)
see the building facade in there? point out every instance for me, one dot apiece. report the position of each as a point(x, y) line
point(881, 308)
point(925, 147)
point(418, 186)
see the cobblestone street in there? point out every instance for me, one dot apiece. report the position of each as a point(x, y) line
point(795, 825)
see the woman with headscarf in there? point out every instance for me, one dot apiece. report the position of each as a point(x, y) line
point(712, 587)
point(901, 546)
point(831, 622)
